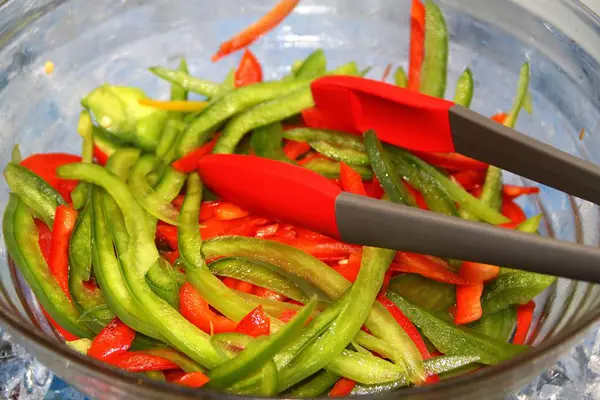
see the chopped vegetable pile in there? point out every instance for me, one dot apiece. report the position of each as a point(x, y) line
point(138, 265)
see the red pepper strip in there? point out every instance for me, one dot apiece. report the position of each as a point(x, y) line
point(524, 317)
point(351, 180)
point(267, 294)
point(267, 231)
point(293, 149)
point(322, 249)
point(100, 156)
point(431, 379)
point(417, 196)
point(207, 209)
point(174, 374)
point(231, 283)
point(373, 188)
point(407, 325)
point(312, 235)
point(417, 44)
point(386, 72)
point(240, 227)
point(500, 117)
point(451, 161)
point(342, 388)
point(138, 361)
point(46, 164)
point(114, 339)
point(513, 191)
point(309, 157)
point(249, 71)
point(469, 179)
point(512, 210)
point(44, 239)
point(509, 225)
point(386, 281)
point(255, 324)
point(171, 256)
point(468, 303)
point(351, 267)
point(192, 379)
point(178, 201)
point(431, 268)
point(287, 315)
point(68, 336)
point(259, 28)
point(473, 272)
point(196, 310)
point(287, 231)
point(228, 211)
point(245, 287)
point(64, 223)
point(167, 234)
point(188, 162)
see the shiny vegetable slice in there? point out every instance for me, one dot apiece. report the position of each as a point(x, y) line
point(435, 62)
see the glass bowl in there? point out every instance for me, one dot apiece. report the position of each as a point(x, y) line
point(92, 42)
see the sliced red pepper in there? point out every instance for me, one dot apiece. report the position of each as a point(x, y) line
point(257, 29)
point(240, 227)
point(351, 180)
point(417, 196)
point(64, 224)
point(171, 256)
point(524, 318)
point(100, 156)
point(267, 294)
point(192, 379)
point(373, 188)
point(231, 283)
point(386, 281)
point(499, 117)
point(167, 234)
point(474, 272)
point(294, 149)
point(407, 325)
point(255, 324)
point(245, 287)
point(312, 235)
point(188, 162)
point(67, 336)
point(138, 361)
point(196, 310)
point(513, 191)
point(44, 239)
point(267, 231)
point(386, 72)
point(46, 164)
point(207, 209)
point(511, 210)
point(228, 211)
point(468, 303)
point(417, 44)
point(249, 71)
point(65, 188)
point(178, 201)
point(322, 249)
point(287, 315)
point(469, 179)
point(351, 267)
point(451, 161)
point(429, 267)
point(114, 339)
point(342, 388)
point(287, 231)
point(509, 225)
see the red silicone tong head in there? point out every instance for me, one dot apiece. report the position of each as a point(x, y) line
point(399, 116)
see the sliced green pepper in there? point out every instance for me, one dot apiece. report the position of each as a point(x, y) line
point(498, 325)
point(33, 191)
point(15, 155)
point(426, 293)
point(186, 81)
point(340, 153)
point(182, 361)
point(313, 66)
point(435, 61)
point(258, 274)
point(453, 340)
point(231, 343)
point(21, 237)
point(320, 135)
point(464, 89)
point(269, 379)
point(315, 386)
point(85, 128)
point(331, 169)
point(400, 77)
point(513, 288)
point(266, 142)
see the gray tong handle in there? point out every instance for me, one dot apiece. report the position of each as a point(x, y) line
point(366, 221)
point(483, 139)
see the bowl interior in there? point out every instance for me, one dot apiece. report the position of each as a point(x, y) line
point(115, 41)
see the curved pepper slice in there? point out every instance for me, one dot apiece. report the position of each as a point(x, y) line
point(192, 379)
point(196, 310)
point(524, 317)
point(255, 324)
point(113, 340)
point(342, 388)
point(45, 166)
point(64, 223)
point(249, 71)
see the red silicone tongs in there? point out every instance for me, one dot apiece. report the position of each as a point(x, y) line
point(419, 122)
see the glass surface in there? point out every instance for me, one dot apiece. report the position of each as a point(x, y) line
point(115, 41)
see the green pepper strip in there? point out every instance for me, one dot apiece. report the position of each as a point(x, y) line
point(436, 199)
point(110, 276)
point(513, 288)
point(457, 193)
point(464, 89)
point(266, 142)
point(313, 66)
point(227, 85)
point(435, 61)
point(259, 352)
point(186, 81)
point(400, 77)
point(92, 303)
point(140, 257)
point(436, 365)
point(260, 275)
point(344, 328)
point(276, 109)
point(317, 385)
point(453, 340)
point(426, 293)
point(230, 104)
point(33, 191)
point(340, 153)
point(15, 155)
point(85, 127)
point(320, 135)
point(182, 361)
point(384, 170)
point(498, 325)
point(269, 381)
point(331, 169)
point(21, 238)
point(380, 322)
